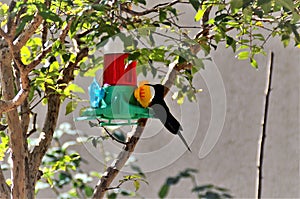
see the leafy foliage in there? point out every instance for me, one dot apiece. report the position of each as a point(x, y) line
point(62, 168)
point(3, 145)
point(208, 191)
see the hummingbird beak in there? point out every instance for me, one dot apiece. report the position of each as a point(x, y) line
point(148, 85)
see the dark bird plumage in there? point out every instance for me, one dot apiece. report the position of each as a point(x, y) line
point(162, 112)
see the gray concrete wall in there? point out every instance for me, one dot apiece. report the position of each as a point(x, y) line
point(232, 161)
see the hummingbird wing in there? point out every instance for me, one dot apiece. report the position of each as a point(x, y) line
point(162, 112)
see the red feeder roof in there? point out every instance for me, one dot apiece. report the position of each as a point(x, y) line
point(118, 70)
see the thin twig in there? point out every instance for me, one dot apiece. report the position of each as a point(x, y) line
point(261, 145)
point(113, 137)
point(33, 130)
point(12, 5)
point(148, 11)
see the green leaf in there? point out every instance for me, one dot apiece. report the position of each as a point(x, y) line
point(137, 185)
point(48, 15)
point(285, 40)
point(254, 63)
point(138, 170)
point(195, 4)
point(236, 5)
point(112, 195)
point(226, 195)
point(247, 3)
point(197, 65)
point(199, 14)
point(187, 173)
point(3, 146)
point(119, 135)
point(243, 55)
point(266, 5)
point(71, 106)
point(99, 7)
point(127, 193)
point(162, 15)
point(173, 180)
point(202, 188)
point(222, 189)
point(163, 192)
point(88, 191)
point(289, 4)
point(229, 41)
point(261, 2)
point(213, 195)
point(180, 100)
point(73, 88)
point(24, 21)
point(25, 55)
point(134, 55)
point(92, 71)
point(142, 2)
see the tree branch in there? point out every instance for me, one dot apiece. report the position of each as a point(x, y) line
point(113, 170)
point(9, 105)
point(54, 102)
point(11, 27)
point(28, 32)
point(4, 35)
point(47, 50)
point(18, 142)
point(263, 134)
point(148, 11)
point(4, 188)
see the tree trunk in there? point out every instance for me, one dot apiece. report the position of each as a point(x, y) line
point(18, 142)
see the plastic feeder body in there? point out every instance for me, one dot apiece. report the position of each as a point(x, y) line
point(119, 101)
point(118, 70)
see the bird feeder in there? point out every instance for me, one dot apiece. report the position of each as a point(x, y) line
point(119, 101)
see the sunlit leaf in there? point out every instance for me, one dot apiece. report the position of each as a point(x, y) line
point(71, 106)
point(25, 55)
point(199, 14)
point(254, 63)
point(137, 185)
point(243, 55)
point(73, 88)
point(180, 100)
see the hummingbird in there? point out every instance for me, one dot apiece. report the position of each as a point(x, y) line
point(162, 112)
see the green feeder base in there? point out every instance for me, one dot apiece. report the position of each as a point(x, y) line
point(119, 104)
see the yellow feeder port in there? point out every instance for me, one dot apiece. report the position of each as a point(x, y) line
point(143, 94)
